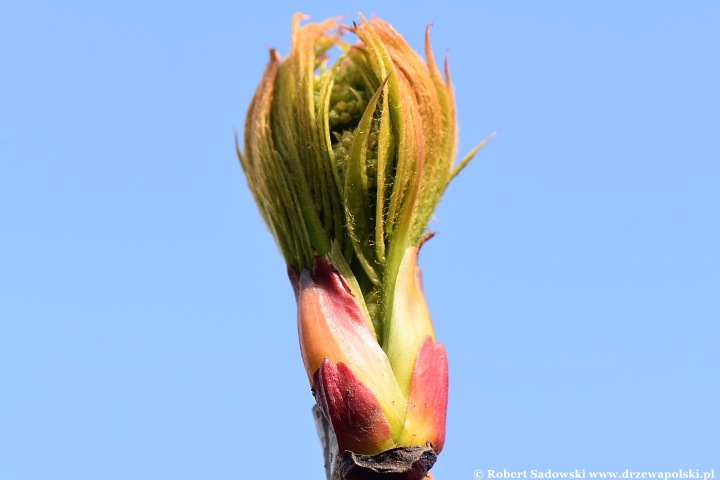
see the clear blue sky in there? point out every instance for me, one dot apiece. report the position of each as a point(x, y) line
point(147, 329)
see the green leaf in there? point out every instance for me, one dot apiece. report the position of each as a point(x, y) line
point(355, 195)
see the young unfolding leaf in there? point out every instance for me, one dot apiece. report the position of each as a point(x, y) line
point(347, 163)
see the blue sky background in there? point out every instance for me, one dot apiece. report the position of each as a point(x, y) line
point(147, 329)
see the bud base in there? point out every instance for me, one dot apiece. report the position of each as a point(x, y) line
point(399, 463)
